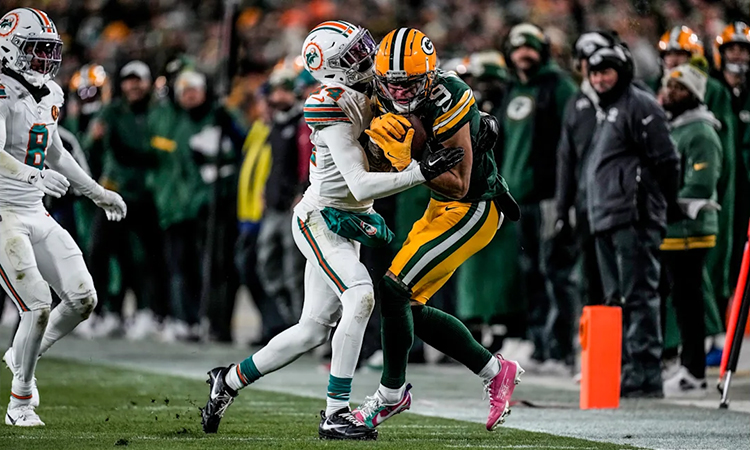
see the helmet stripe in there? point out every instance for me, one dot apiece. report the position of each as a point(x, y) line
point(341, 27)
point(329, 28)
point(397, 51)
point(43, 20)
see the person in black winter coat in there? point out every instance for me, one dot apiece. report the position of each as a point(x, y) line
point(579, 123)
point(631, 182)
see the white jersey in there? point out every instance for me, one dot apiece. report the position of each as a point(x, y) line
point(29, 129)
point(334, 104)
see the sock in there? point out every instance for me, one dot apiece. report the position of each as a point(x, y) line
point(391, 396)
point(397, 333)
point(62, 321)
point(242, 374)
point(490, 370)
point(450, 336)
point(339, 390)
point(20, 393)
point(357, 304)
point(26, 345)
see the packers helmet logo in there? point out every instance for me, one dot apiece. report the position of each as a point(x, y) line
point(8, 24)
point(427, 46)
point(313, 56)
point(55, 112)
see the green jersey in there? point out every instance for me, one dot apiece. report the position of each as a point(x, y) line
point(451, 105)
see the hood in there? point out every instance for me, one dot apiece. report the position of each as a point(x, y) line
point(698, 114)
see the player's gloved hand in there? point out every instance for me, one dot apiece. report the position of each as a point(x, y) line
point(112, 204)
point(50, 182)
point(440, 161)
point(393, 134)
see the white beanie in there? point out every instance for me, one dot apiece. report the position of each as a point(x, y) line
point(689, 76)
point(189, 79)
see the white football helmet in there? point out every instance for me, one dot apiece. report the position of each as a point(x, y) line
point(339, 51)
point(30, 45)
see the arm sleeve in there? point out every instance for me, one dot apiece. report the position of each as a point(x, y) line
point(350, 159)
point(651, 132)
point(9, 166)
point(702, 167)
point(60, 160)
point(566, 164)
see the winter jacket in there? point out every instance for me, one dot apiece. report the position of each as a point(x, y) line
point(530, 119)
point(127, 158)
point(699, 146)
point(579, 123)
point(633, 167)
point(283, 183)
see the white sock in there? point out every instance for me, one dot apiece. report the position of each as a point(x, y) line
point(26, 345)
point(232, 379)
point(62, 321)
point(490, 370)
point(391, 396)
point(333, 405)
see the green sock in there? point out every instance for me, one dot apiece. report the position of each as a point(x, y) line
point(449, 335)
point(339, 388)
point(249, 371)
point(397, 333)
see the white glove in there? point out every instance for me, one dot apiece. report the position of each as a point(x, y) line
point(50, 182)
point(112, 204)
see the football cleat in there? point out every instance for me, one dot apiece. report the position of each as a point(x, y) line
point(11, 364)
point(342, 425)
point(220, 396)
point(22, 416)
point(500, 389)
point(373, 411)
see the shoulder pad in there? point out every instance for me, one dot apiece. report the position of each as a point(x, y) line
point(454, 100)
point(322, 107)
point(56, 92)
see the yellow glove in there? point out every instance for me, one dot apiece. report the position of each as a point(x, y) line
point(393, 134)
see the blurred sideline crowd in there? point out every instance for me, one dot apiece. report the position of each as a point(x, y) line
point(211, 181)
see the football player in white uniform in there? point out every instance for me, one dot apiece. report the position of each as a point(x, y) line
point(333, 219)
point(35, 252)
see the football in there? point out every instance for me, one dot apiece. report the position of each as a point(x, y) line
point(377, 160)
point(419, 141)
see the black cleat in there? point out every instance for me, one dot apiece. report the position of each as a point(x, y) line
point(342, 425)
point(219, 398)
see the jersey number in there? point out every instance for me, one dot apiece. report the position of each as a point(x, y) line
point(36, 152)
point(441, 95)
point(334, 93)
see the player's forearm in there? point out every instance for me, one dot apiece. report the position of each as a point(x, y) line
point(64, 163)
point(10, 167)
point(373, 185)
point(449, 184)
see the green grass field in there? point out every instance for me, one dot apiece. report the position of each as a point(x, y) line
point(94, 407)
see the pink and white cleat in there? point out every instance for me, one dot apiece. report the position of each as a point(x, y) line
point(372, 412)
point(500, 390)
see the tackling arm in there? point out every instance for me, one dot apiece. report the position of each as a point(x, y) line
point(350, 160)
point(455, 182)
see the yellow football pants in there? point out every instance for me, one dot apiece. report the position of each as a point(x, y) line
point(448, 234)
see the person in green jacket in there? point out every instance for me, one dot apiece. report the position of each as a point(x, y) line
point(196, 140)
point(687, 241)
point(135, 242)
point(530, 127)
point(677, 46)
point(731, 61)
